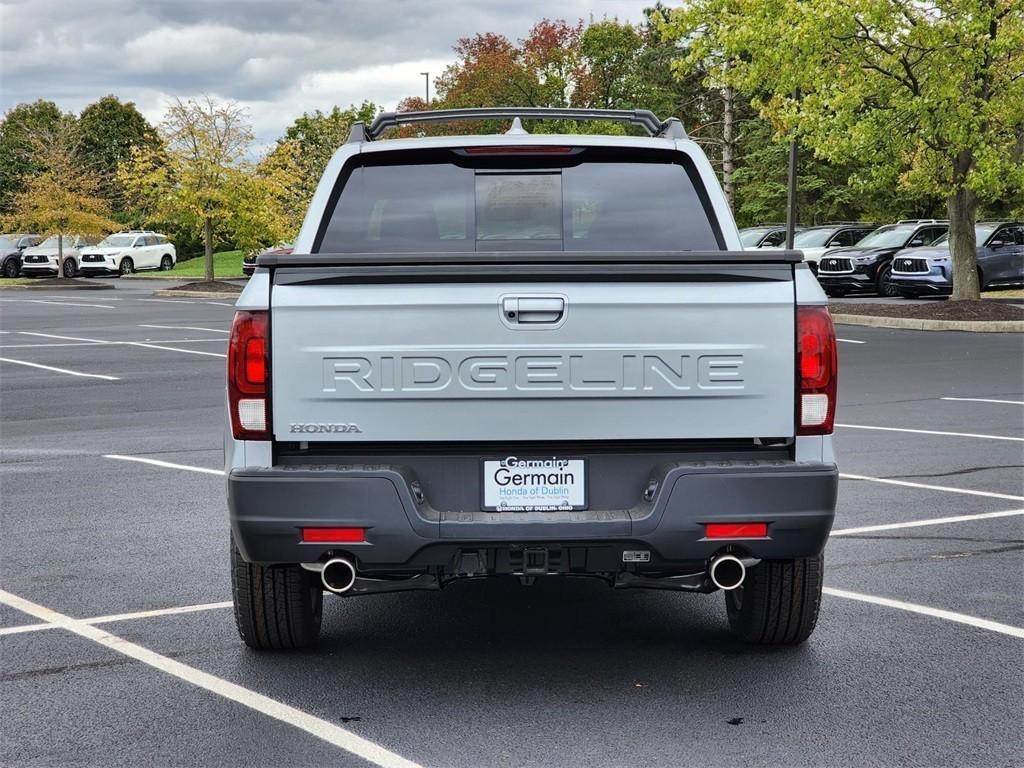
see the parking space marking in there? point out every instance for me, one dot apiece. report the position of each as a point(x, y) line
point(982, 400)
point(924, 610)
point(186, 328)
point(926, 487)
point(58, 303)
point(59, 370)
point(852, 341)
point(920, 523)
point(176, 611)
point(165, 464)
point(101, 343)
point(933, 432)
point(315, 726)
point(125, 343)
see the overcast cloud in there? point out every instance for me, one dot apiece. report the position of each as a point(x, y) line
point(278, 58)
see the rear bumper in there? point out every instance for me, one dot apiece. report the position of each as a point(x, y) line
point(269, 507)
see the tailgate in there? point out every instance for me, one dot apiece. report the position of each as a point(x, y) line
point(710, 358)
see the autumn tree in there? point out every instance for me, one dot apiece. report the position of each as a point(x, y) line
point(19, 159)
point(927, 96)
point(65, 197)
point(193, 180)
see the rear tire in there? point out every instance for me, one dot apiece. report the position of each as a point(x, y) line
point(276, 607)
point(166, 263)
point(778, 602)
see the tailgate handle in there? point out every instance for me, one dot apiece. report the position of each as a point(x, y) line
point(530, 310)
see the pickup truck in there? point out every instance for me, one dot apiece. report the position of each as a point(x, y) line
point(528, 356)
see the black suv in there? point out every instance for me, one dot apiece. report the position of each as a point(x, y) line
point(867, 266)
point(11, 247)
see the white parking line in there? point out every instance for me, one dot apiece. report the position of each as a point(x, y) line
point(315, 726)
point(164, 464)
point(59, 370)
point(932, 432)
point(982, 400)
point(125, 343)
point(102, 343)
point(920, 523)
point(852, 341)
point(186, 328)
point(923, 486)
point(924, 610)
point(176, 611)
point(58, 303)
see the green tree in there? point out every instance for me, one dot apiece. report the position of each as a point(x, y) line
point(110, 130)
point(64, 198)
point(927, 96)
point(311, 141)
point(18, 156)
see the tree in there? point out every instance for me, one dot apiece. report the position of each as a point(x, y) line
point(18, 156)
point(311, 141)
point(110, 130)
point(65, 197)
point(929, 95)
point(192, 181)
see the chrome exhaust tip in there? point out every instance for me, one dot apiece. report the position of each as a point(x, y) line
point(338, 575)
point(727, 572)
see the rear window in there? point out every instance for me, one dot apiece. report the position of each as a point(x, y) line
point(495, 204)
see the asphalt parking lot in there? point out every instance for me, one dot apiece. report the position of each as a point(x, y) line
point(117, 643)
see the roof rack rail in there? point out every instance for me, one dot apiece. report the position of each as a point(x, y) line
point(671, 128)
point(923, 221)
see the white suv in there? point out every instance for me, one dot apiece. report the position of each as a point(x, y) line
point(43, 259)
point(128, 252)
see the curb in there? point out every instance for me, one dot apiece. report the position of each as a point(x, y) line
point(918, 324)
point(170, 293)
point(91, 287)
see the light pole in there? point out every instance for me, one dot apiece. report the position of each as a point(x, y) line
point(426, 78)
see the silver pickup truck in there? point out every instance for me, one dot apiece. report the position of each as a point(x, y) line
point(528, 356)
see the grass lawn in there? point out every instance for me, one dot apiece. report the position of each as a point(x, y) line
point(1012, 293)
point(4, 281)
point(226, 264)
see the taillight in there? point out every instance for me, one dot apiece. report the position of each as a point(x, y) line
point(816, 370)
point(736, 530)
point(247, 376)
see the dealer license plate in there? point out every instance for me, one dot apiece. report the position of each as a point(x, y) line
point(518, 484)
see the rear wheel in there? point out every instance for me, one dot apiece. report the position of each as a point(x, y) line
point(778, 602)
point(70, 268)
point(126, 267)
point(166, 263)
point(276, 607)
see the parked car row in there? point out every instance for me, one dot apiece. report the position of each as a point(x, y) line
point(909, 258)
point(118, 254)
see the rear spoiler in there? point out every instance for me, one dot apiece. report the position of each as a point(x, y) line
point(519, 258)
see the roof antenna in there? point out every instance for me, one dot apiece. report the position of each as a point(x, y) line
point(516, 129)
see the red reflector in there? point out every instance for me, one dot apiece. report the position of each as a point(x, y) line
point(736, 530)
point(517, 150)
point(334, 535)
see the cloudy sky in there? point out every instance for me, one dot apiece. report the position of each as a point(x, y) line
point(279, 58)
